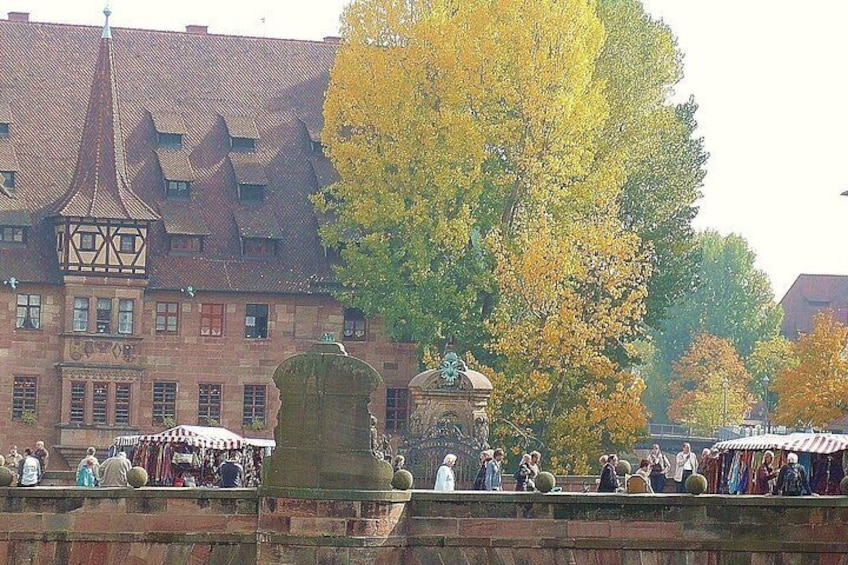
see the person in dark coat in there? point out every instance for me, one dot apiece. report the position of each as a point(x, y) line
point(609, 476)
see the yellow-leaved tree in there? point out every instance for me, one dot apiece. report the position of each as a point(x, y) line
point(482, 148)
point(709, 385)
point(815, 392)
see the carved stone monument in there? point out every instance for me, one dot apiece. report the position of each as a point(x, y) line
point(323, 433)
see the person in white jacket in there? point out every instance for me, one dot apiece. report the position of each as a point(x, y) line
point(444, 478)
point(687, 464)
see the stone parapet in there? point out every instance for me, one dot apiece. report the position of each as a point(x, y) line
point(209, 525)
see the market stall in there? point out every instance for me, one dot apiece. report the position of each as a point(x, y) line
point(825, 456)
point(192, 454)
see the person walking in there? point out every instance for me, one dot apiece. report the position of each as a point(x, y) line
point(687, 464)
point(232, 473)
point(609, 475)
point(792, 480)
point(86, 475)
point(89, 458)
point(522, 475)
point(43, 457)
point(29, 471)
point(493, 470)
point(480, 479)
point(445, 479)
point(659, 468)
point(113, 471)
point(766, 474)
point(535, 458)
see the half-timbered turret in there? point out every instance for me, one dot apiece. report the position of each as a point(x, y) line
point(101, 224)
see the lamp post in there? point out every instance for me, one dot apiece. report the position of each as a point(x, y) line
point(724, 384)
point(765, 383)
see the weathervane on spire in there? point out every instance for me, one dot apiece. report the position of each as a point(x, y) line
point(107, 33)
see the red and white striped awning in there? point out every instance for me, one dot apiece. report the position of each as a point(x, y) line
point(195, 436)
point(798, 442)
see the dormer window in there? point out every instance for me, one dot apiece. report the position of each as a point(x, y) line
point(177, 189)
point(7, 180)
point(172, 140)
point(261, 248)
point(4, 130)
point(127, 243)
point(185, 244)
point(88, 242)
point(251, 192)
point(242, 144)
point(12, 234)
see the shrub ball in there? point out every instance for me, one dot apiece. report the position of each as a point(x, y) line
point(402, 480)
point(623, 467)
point(5, 477)
point(137, 477)
point(696, 484)
point(545, 482)
point(843, 486)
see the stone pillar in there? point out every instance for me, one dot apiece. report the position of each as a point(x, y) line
point(323, 426)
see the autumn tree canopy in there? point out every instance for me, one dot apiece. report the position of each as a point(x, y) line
point(733, 300)
point(815, 392)
point(483, 148)
point(709, 385)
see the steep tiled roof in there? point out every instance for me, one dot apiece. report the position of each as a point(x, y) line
point(241, 126)
point(8, 158)
point(5, 113)
point(257, 223)
point(168, 122)
point(100, 187)
point(180, 219)
point(248, 169)
point(810, 294)
point(209, 81)
point(175, 164)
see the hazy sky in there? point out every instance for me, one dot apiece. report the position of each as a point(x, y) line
point(768, 76)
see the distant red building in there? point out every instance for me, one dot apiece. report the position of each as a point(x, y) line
point(807, 296)
point(158, 251)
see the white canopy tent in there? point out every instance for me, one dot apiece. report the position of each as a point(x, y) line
point(798, 442)
point(195, 436)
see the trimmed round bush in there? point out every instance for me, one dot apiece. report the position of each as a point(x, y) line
point(696, 484)
point(843, 486)
point(5, 477)
point(623, 467)
point(545, 482)
point(137, 477)
point(402, 480)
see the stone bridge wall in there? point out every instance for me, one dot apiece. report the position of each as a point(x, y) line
point(192, 526)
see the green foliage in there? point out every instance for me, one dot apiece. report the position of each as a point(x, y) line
point(733, 300)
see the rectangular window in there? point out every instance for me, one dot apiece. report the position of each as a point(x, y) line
point(212, 320)
point(254, 405)
point(127, 243)
point(174, 140)
point(81, 306)
point(177, 189)
point(185, 244)
point(397, 409)
point(242, 144)
point(354, 325)
point(167, 317)
point(122, 403)
point(7, 180)
point(77, 415)
point(29, 312)
point(164, 402)
point(4, 130)
point(252, 247)
point(104, 315)
point(88, 241)
point(256, 321)
point(251, 192)
point(60, 242)
point(209, 404)
point(125, 316)
point(23, 396)
point(12, 234)
point(99, 399)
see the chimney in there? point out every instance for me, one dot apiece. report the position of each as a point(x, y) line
point(197, 30)
point(18, 16)
point(333, 39)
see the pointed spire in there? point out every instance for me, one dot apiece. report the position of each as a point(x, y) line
point(100, 187)
point(107, 32)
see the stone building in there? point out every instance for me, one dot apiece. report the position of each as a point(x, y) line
point(158, 251)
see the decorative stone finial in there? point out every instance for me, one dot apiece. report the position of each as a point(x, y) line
point(451, 368)
point(107, 33)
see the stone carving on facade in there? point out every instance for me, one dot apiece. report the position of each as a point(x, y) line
point(451, 369)
point(84, 349)
point(481, 430)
